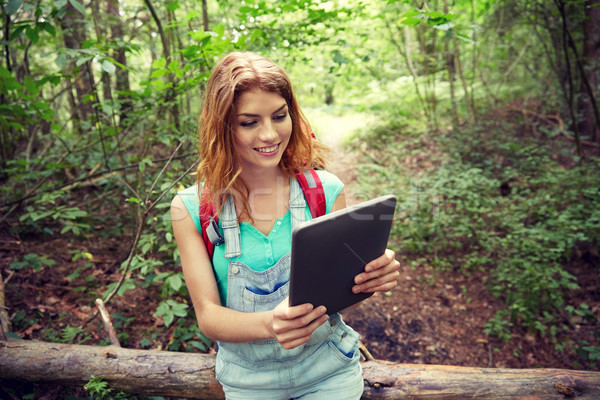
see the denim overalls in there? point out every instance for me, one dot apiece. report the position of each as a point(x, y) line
point(264, 368)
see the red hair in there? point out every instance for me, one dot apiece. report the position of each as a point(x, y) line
point(220, 167)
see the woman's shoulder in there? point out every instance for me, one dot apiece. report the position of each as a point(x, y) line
point(329, 180)
point(332, 187)
point(190, 198)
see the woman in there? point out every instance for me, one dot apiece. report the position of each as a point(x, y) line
point(253, 141)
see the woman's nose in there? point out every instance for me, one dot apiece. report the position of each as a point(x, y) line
point(268, 132)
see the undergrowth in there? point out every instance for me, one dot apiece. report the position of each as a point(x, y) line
point(480, 199)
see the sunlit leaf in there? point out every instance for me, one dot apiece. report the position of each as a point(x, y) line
point(13, 6)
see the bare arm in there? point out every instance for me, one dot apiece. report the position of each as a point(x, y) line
point(291, 326)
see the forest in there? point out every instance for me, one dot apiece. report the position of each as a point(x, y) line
point(482, 117)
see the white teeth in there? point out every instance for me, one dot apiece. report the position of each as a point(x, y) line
point(267, 149)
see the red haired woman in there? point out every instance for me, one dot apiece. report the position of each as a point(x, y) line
point(253, 140)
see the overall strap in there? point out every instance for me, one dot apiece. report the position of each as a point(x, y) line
point(209, 224)
point(297, 203)
point(231, 229)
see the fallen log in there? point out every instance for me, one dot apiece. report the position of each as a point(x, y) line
point(171, 374)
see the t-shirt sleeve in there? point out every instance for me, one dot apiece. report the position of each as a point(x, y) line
point(332, 185)
point(191, 200)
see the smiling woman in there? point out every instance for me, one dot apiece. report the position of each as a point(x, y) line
point(254, 140)
point(262, 131)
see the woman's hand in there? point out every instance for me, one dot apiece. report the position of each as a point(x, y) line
point(381, 275)
point(292, 326)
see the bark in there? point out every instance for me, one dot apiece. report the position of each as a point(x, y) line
point(73, 28)
point(451, 72)
point(122, 75)
point(589, 125)
point(205, 16)
point(171, 374)
point(5, 325)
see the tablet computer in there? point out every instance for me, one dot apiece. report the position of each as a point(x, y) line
point(329, 251)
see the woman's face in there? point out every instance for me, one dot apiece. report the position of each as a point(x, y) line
point(262, 129)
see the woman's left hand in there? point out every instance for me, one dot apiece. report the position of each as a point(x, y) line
point(381, 275)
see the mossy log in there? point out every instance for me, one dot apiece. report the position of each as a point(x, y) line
point(172, 374)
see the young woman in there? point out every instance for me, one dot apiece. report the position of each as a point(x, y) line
point(253, 141)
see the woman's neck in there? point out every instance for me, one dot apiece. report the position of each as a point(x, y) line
point(264, 179)
point(268, 198)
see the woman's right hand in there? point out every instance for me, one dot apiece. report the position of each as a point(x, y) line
point(293, 326)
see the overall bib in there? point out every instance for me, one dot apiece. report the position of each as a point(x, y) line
point(331, 357)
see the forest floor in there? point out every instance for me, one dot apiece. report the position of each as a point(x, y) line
point(439, 318)
point(430, 318)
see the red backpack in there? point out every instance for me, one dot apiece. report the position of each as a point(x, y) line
point(311, 185)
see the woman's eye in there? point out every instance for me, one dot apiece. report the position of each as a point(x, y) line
point(280, 117)
point(248, 124)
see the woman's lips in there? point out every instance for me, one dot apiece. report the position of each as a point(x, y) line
point(268, 151)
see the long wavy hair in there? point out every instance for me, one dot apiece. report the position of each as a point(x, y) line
point(220, 165)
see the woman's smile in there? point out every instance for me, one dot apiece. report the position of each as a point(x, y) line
point(268, 151)
point(262, 129)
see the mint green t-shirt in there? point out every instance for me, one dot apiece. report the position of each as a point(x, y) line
point(259, 252)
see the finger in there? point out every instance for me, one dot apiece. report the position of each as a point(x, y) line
point(382, 288)
point(387, 282)
point(295, 338)
point(387, 257)
point(387, 269)
point(290, 313)
point(289, 325)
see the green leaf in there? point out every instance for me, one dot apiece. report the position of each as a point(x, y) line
point(410, 21)
point(108, 67)
point(160, 63)
point(411, 14)
point(32, 34)
point(168, 319)
point(192, 14)
point(77, 5)
point(157, 73)
point(465, 38)
point(61, 60)
point(31, 86)
point(175, 282)
point(191, 51)
point(174, 66)
point(13, 6)
point(4, 72)
point(17, 31)
point(48, 28)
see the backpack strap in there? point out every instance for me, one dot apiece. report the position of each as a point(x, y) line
point(209, 224)
point(313, 191)
point(311, 185)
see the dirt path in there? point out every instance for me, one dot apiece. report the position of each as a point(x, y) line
point(334, 130)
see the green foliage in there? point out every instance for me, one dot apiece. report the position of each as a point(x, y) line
point(169, 309)
point(99, 389)
point(33, 261)
point(69, 334)
point(518, 216)
point(188, 337)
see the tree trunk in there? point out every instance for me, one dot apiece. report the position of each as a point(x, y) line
point(171, 374)
point(588, 125)
point(451, 72)
point(73, 27)
point(122, 75)
point(205, 16)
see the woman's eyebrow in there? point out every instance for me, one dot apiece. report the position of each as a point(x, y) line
point(256, 115)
